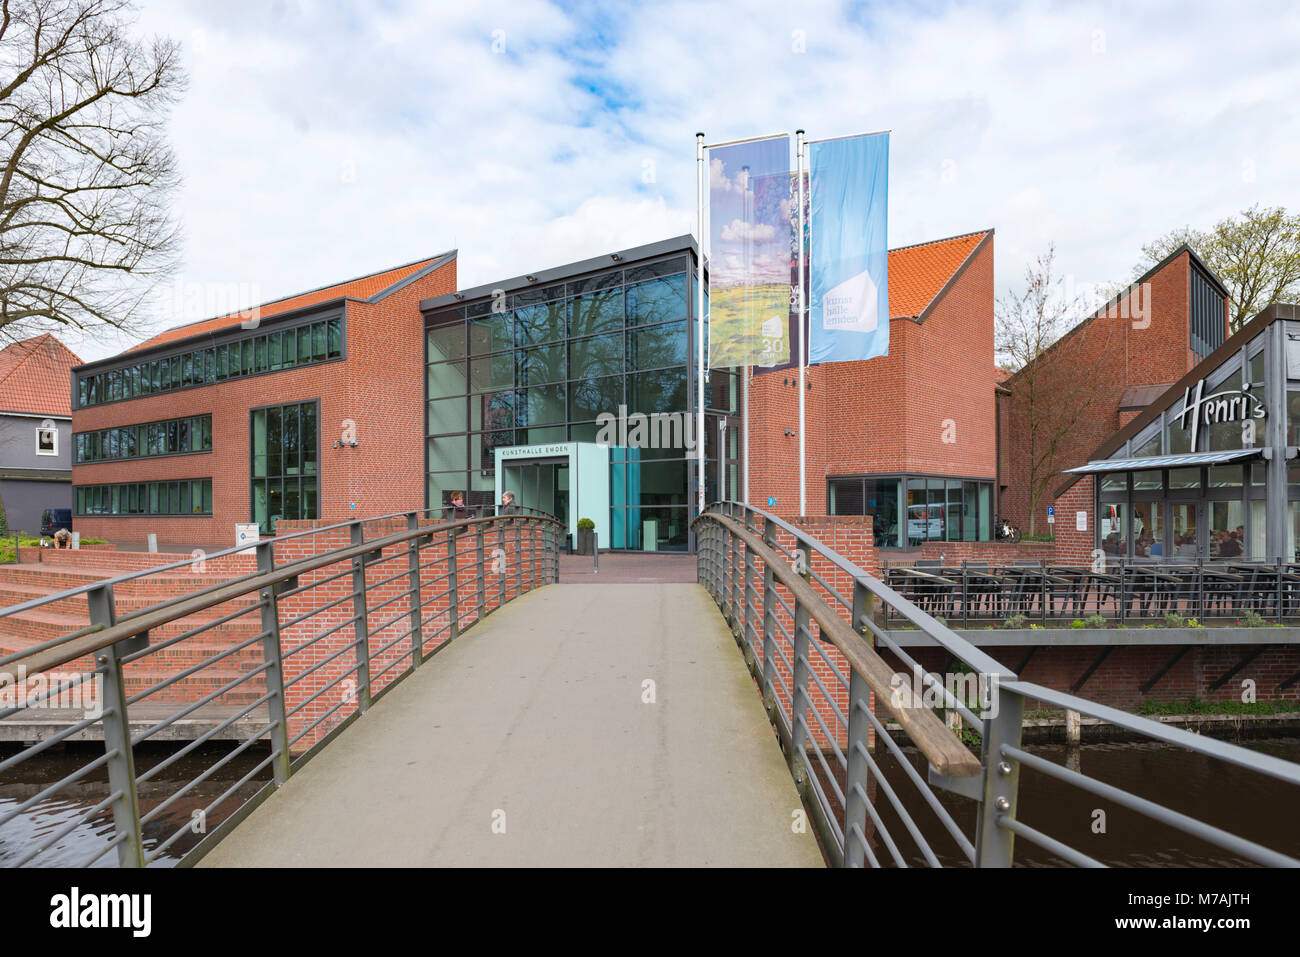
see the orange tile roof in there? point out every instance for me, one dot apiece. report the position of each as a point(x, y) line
point(362, 288)
point(36, 376)
point(918, 273)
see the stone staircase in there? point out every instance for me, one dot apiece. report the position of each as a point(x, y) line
point(58, 571)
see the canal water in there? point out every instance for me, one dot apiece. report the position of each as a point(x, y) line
point(1242, 802)
point(188, 813)
point(1245, 803)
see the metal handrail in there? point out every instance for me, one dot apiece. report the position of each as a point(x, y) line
point(402, 626)
point(523, 512)
point(144, 621)
point(844, 814)
point(938, 743)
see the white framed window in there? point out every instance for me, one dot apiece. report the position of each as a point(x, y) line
point(47, 441)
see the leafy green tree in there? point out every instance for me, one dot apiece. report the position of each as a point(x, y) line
point(1256, 255)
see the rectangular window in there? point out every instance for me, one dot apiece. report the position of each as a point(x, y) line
point(185, 497)
point(47, 441)
point(284, 446)
point(147, 440)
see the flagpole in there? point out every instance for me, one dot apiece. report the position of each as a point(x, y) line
point(803, 332)
point(701, 461)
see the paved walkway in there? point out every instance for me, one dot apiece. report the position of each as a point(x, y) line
point(534, 720)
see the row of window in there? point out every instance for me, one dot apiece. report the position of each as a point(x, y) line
point(171, 437)
point(655, 347)
point(184, 497)
point(252, 355)
point(486, 326)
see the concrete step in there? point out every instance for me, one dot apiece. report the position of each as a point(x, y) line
point(32, 627)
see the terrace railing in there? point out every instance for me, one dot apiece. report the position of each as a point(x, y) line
point(275, 662)
point(975, 594)
point(810, 624)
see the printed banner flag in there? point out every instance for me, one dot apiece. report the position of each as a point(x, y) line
point(848, 278)
point(750, 239)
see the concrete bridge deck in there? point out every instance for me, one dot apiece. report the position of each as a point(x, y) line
point(534, 719)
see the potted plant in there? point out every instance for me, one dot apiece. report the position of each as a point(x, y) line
point(586, 536)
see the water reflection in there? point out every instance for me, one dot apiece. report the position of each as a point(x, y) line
point(38, 823)
point(1242, 802)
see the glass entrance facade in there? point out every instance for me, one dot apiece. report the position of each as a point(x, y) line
point(542, 359)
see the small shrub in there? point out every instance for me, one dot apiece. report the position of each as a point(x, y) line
point(1016, 621)
point(1095, 621)
point(585, 524)
point(1252, 619)
point(1078, 623)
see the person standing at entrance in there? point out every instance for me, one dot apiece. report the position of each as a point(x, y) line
point(508, 506)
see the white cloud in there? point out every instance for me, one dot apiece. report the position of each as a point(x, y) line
point(739, 231)
point(319, 141)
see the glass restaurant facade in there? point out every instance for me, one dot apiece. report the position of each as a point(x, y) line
point(1210, 470)
point(530, 364)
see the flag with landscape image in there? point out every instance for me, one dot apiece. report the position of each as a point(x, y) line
point(750, 242)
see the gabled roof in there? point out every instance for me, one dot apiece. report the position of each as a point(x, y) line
point(36, 376)
point(372, 288)
point(1110, 304)
point(919, 275)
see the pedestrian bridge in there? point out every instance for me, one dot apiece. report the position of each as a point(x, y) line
point(579, 725)
point(414, 691)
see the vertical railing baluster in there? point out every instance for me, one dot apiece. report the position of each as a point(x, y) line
point(965, 596)
point(769, 622)
point(855, 782)
point(501, 578)
point(800, 702)
point(744, 597)
point(479, 561)
point(995, 846)
point(271, 653)
point(360, 619)
point(453, 596)
point(417, 612)
point(117, 732)
point(519, 560)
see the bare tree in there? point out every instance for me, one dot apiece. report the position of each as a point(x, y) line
point(85, 230)
point(1053, 387)
point(1255, 254)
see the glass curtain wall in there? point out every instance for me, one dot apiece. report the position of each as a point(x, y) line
point(543, 364)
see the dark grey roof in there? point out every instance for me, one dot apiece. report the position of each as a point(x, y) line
point(541, 277)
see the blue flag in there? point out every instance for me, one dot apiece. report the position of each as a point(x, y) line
point(849, 249)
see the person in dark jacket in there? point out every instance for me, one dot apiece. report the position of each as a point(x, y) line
point(508, 506)
point(457, 511)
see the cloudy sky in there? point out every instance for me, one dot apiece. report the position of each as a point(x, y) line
point(320, 140)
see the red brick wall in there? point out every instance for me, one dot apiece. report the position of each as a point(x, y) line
point(378, 386)
point(1111, 353)
point(889, 414)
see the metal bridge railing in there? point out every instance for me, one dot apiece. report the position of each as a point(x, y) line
point(254, 672)
point(805, 618)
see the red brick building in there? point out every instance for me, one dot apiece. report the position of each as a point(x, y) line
point(308, 407)
point(1100, 375)
point(911, 437)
